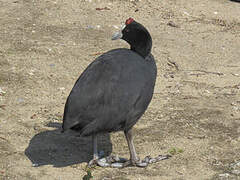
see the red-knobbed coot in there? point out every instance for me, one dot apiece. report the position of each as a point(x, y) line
point(113, 93)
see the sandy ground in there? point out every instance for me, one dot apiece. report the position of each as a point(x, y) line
point(45, 45)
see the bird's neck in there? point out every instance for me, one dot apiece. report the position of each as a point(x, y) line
point(143, 48)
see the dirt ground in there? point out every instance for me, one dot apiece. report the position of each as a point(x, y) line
point(195, 111)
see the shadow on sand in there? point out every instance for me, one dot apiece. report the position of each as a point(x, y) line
point(63, 149)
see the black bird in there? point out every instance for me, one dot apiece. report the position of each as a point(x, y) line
point(114, 91)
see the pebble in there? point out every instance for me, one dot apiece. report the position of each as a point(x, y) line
point(31, 72)
point(2, 92)
point(89, 27)
point(224, 175)
point(62, 88)
point(234, 165)
point(184, 12)
point(237, 164)
point(20, 100)
point(35, 165)
point(115, 26)
point(236, 172)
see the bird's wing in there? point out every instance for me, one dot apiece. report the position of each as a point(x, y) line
point(87, 95)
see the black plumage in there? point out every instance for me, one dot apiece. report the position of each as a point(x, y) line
point(115, 89)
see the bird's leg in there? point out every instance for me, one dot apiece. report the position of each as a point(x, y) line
point(132, 150)
point(113, 161)
point(134, 160)
point(95, 151)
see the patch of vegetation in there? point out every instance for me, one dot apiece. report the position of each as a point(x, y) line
point(88, 176)
point(174, 151)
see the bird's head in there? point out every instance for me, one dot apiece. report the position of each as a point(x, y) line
point(136, 35)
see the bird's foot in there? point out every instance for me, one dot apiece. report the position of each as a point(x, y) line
point(109, 161)
point(146, 161)
point(93, 163)
point(117, 162)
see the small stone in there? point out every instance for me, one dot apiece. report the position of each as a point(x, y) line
point(172, 24)
point(207, 91)
point(184, 12)
point(35, 165)
point(89, 27)
point(31, 72)
point(62, 88)
point(234, 165)
point(224, 175)
point(20, 100)
point(115, 26)
point(236, 172)
point(237, 164)
point(2, 92)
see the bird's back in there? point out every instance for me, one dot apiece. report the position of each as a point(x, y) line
point(111, 94)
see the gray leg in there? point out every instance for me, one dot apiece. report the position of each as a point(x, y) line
point(133, 154)
point(110, 161)
point(95, 151)
point(134, 160)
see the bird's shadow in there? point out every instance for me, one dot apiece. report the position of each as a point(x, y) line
point(63, 149)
